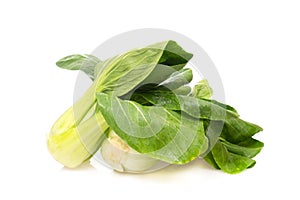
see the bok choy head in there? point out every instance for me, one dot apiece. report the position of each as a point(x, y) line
point(140, 111)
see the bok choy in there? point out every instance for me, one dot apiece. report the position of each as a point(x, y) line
point(141, 110)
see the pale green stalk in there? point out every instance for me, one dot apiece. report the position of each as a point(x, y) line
point(74, 139)
point(77, 144)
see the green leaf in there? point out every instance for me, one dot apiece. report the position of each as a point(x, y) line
point(213, 130)
point(234, 153)
point(178, 79)
point(85, 63)
point(160, 133)
point(227, 107)
point(128, 70)
point(102, 65)
point(237, 130)
point(230, 162)
point(173, 54)
point(162, 79)
point(209, 158)
point(202, 90)
point(183, 90)
point(249, 147)
point(158, 75)
point(234, 130)
point(194, 107)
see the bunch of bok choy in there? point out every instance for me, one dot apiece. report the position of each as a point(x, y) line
point(141, 110)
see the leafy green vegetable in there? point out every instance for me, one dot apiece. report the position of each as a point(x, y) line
point(140, 110)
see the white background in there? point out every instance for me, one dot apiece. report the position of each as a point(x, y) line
point(254, 44)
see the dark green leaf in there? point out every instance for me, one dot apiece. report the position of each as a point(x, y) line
point(249, 147)
point(213, 130)
point(237, 130)
point(228, 107)
point(230, 162)
point(160, 133)
point(194, 107)
point(209, 158)
point(231, 157)
point(173, 54)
